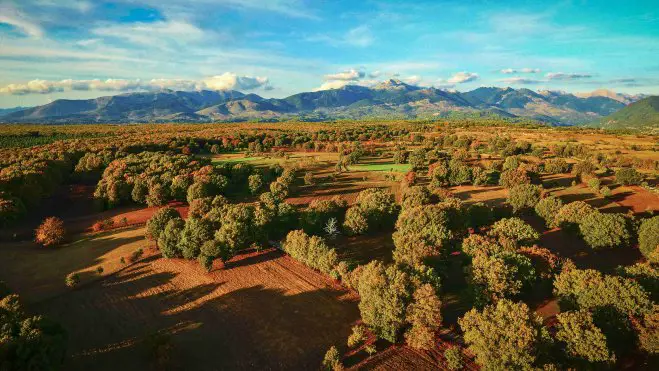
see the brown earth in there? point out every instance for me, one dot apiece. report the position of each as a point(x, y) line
point(263, 311)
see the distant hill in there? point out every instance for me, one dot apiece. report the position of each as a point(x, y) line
point(5, 111)
point(389, 99)
point(620, 97)
point(641, 114)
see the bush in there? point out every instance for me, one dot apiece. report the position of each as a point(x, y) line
point(416, 196)
point(557, 166)
point(51, 232)
point(505, 335)
point(358, 335)
point(332, 360)
point(628, 176)
point(648, 239)
point(312, 251)
point(547, 208)
point(72, 280)
point(605, 230)
point(453, 356)
point(582, 338)
point(156, 224)
point(594, 184)
point(255, 183)
point(524, 196)
point(514, 229)
point(573, 213)
point(511, 178)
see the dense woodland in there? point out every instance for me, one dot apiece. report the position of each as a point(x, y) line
point(607, 319)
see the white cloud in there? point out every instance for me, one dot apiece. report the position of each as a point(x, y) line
point(567, 76)
point(463, 77)
point(226, 81)
point(518, 81)
point(334, 84)
point(509, 71)
point(359, 36)
point(160, 34)
point(349, 75)
point(14, 18)
point(374, 74)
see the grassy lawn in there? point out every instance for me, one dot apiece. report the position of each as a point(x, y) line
point(391, 167)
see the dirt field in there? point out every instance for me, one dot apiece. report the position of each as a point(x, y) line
point(263, 311)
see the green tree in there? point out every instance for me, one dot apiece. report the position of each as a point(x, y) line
point(514, 229)
point(648, 239)
point(601, 230)
point(385, 292)
point(547, 208)
point(524, 196)
point(255, 183)
point(416, 196)
point(423, 313)
point(193, 236)
point(156, 224)
point(168, 240)
point(421, 232)
point(582, 338)
point(628, 176)
point(572, 214)
point(453, 356)
point(505, 335)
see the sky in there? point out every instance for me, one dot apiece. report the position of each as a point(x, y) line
point(54, 49)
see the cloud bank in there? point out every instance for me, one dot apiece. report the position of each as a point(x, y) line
point(225, 81)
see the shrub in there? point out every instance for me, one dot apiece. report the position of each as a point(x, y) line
point(594, 184)
point(601, 230)
point(582, 338)
point(156, 224)
point(312, 251)
point(425, 317)
point(511, 178)
point(255, 183)
point(514, 229)
point(332, 360)
point(358, 335)
point(524, 196)
point(308, 178)
point(511, 163)
point(416, 196)
point(72, 280)
point(628, 176)
point(648, 239)
point(557, 166)
point(589, 289)
point(453, 356)
point(583, 169)
point(51, 232)
point(606, 192)
point(547, 208)
point(502, 275)
point(505, 335)
point(168, 240)
point(573, 213)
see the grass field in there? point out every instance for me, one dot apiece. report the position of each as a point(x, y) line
point(390, 167)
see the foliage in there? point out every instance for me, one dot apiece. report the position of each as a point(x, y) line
point(314, 218)
point(573, 213)
point(628, 176)
point(421, 232)
point(415, 196)
point(312, 251)
point(425, 317)
point(548, 208)
point(505, 335)
point(156, 224)
point(453, 356)
point(375, 209)
point(195, 233)
point(29, 343)
point(556, 166)
point(524, 196)
point(514, 229)
point(332, 360)
point(385, 292)
point(601, 230)
point(511, 178)
point(582, 338)
point(72, 280)
point(589, 289)
point(168, 240)
point(51, 232)
point(648, 239)
point(357, 336)
point(502, 275)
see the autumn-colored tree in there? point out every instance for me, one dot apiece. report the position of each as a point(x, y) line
point(424, 315)
point(51, 232)
point(583, 340)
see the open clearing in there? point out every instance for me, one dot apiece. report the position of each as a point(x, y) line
point(263, 311)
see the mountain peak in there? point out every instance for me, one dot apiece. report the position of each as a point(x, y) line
point(395, 84)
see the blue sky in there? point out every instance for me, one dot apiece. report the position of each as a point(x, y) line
point(51, 49)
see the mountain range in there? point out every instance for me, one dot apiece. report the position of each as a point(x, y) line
point(389, 99)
